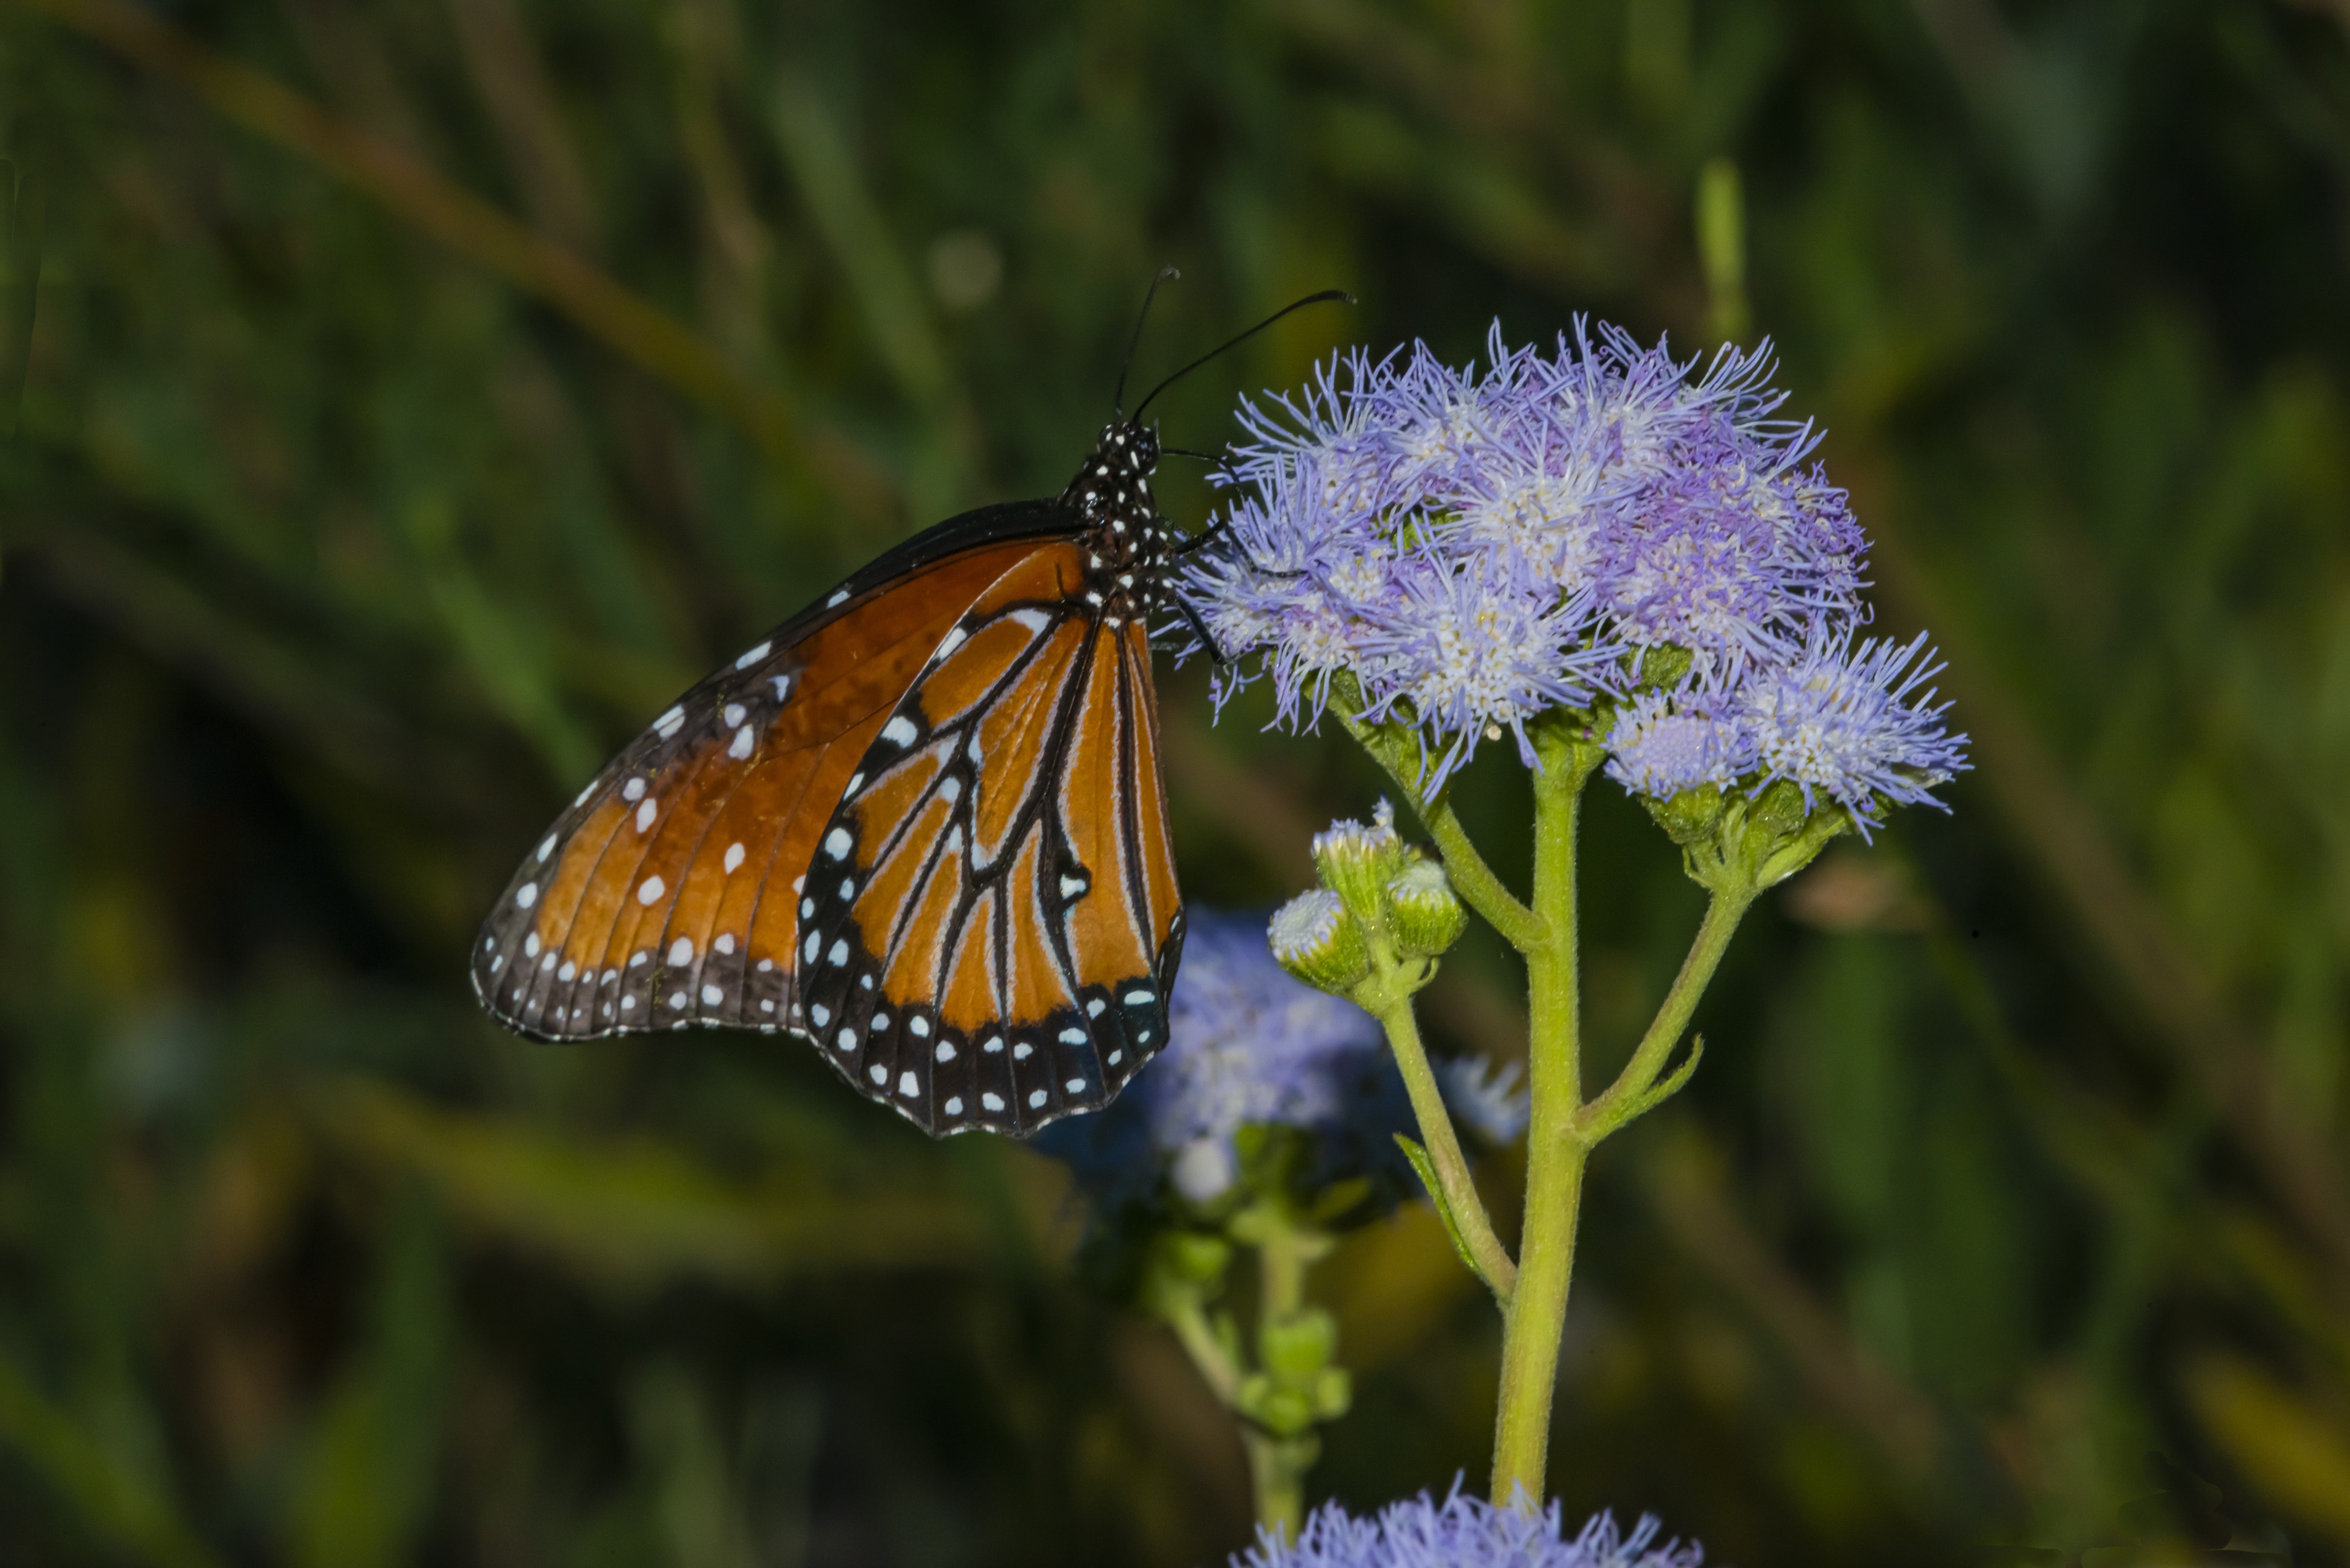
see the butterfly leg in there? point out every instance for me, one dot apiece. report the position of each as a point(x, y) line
point(1216, 655)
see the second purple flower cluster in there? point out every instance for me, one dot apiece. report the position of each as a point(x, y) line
point(1557, 533)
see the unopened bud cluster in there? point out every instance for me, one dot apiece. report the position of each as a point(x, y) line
point(1383, 913)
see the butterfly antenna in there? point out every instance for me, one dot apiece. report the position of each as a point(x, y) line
point(1117, 399)
point(1324, 297)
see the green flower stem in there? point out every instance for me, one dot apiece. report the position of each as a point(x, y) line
point(1186, 1313)
point(1459, 1195)
point(1629, 1095)
point(1480, 888)
point(1555, 1155)
point(1278, 1463)
point(1397, 751)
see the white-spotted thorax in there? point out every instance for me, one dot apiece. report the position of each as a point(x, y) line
point(1128, 544)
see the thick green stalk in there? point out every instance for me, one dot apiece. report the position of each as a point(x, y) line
point(1555, 1156)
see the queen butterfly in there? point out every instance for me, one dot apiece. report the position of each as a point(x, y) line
point(921, 824)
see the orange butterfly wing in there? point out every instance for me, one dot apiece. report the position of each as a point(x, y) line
point(991, 923)
point(667, 893)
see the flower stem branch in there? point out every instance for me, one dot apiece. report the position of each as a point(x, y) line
point(1480, 888)
point(1536, 1317)
point(1395, 749)
point(1630, 1095)
point(1453, 1190)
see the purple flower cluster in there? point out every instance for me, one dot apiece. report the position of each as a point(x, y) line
point(1466, 1533)
point(1249, 1043)
point(1246, 1042)
point(1475, 549)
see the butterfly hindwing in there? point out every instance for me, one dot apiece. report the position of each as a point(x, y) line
point(666, 895)
point(991, 923)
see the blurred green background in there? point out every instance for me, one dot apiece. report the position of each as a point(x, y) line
point(421, 391)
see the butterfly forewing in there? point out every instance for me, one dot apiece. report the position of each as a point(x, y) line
point(667, 893)
point(991, 924)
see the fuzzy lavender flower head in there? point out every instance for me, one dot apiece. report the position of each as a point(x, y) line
point(1248, 1044)
point(1475, 549)
point(1465, 1532)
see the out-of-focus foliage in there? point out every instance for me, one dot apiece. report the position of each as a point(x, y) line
point(421, 391)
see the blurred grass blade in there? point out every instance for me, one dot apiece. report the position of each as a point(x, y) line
point(634, 1213)
point(23, 211)
point(118, 1505)
point(637, 330)
point(859, 237)
point(369, 1476)
point(1722, 247)
point(2297, 1457)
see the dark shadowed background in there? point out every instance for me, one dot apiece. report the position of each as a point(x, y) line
point(422, 392)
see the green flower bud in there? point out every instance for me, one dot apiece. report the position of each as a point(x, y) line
point(1334, 1393)
point(1315, 938)
point(1357, 862)
point(1297, 1346)
point(1195, 1258)
point(1280, 1409)
point(1422, 911)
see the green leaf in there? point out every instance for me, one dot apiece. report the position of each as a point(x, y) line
point(1427, 1168)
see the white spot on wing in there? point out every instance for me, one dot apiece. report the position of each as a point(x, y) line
point(733, 859)
point(633, 790)
point(547, 849)
point(837, 842)
point(711, 996)
point(724, 944)
point(1035, 621)
point(733, 714)
point(753, 657)
point(742, 744)
point(899, 731)
point(992, 1100)
point(681, 952)
point(840, 597)
point(526, 895)
point(949, 643)
point(908, 1085)
point(652, 890)
point(671, 723)
point(646, 813)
